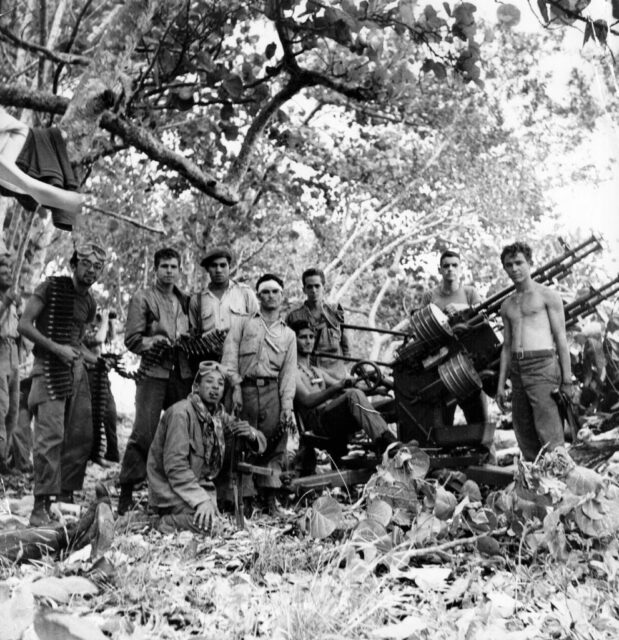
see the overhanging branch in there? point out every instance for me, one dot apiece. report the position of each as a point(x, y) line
point(139, 138)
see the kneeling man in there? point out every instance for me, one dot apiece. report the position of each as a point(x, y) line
point(330, 407)
point(535, 354)
point(187, 453)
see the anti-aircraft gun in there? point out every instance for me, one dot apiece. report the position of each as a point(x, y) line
point(445, 360)
point(449, 359)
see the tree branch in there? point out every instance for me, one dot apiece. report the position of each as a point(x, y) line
point(119, 216)
point(142, 140)
point(241, 162)
point(64, 58)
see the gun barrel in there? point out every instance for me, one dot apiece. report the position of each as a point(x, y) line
point(360, 327)
point(586, 305)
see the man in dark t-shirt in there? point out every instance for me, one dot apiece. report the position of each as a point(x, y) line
point(55, 320)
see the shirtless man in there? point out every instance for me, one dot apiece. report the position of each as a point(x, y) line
point(534, 335)
point(451, 296)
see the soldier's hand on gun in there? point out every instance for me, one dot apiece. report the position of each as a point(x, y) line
point(286, 416)
point(237, 399)
point(242, 429)
point(66, 353)
point(567, 388)
point(206, 514)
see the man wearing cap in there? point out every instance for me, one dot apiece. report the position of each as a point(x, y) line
point(534, 354)
point(260, 356)
point(55, 319)
point(188, 451)
point(224, 302)
point(326, 320)
point(157, 317)
point(9, 362)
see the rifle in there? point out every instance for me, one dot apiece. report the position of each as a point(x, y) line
point(236, 456)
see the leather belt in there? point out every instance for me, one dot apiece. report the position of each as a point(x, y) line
point(258, 382)
point(537, 353)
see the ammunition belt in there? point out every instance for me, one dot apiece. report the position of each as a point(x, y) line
point(99, 397)
point(58, 375)
point(197, 347)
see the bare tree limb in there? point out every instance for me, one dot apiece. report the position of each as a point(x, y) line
point(18, 96)
point(119, 216)
point(54, 56)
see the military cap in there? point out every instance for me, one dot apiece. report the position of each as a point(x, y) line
point(216, 252)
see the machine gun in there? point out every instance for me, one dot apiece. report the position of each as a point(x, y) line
point(586, 305)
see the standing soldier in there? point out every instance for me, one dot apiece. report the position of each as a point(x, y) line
point(9, 363)
point(157, 317)
point(224, 302)
point(260, 356)
point(452, 297)
point(55, 319)
point(534, 335)
point(326, 320)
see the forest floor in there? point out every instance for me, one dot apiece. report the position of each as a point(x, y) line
point(325, 573)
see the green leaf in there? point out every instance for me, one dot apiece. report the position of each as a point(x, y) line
point(588, 32)
point(543, 9)
point(601, 31)
point(324, 517)
point(407, 14)
point(488, 546)
point(380, 511)
point(508, 15)
point(270, 50)
point(471, 489)
point(50, 625)
point(227, 111)
point(233, 85)
point(427, 529)
point(444, 503)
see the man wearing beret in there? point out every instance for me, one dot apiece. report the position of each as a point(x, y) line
point(225, 302)
point(55, 320)
point(260, 356)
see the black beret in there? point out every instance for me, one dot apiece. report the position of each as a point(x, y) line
point(216, 252)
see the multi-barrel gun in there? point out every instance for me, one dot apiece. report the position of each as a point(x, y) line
point(586, 305)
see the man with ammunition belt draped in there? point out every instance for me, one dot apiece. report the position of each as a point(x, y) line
point(223, 303)
point(55, 319)
point(535, 355)
point(260, 356)
point(157, 317)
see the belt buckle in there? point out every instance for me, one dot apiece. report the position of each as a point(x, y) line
point(261, 382)
point(520, 354)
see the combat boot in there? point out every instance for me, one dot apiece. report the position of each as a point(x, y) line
point(125, 500)
point(40, 513)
